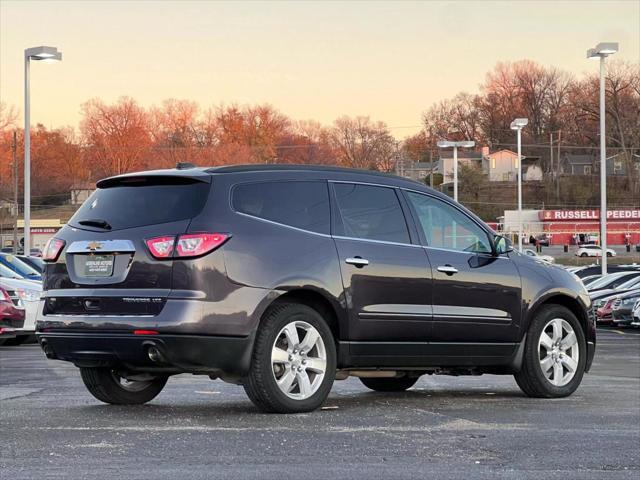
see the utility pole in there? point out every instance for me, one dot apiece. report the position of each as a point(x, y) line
point(431, 167)
point(558, 169)
point(14, 149)
point(551, 154)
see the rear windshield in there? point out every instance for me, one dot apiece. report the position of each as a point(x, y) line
point(140, 202)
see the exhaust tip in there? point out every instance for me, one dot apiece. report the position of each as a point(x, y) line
point(48, 351)
point(155, 355)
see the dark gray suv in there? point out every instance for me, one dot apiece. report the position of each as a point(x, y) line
point(284, 278)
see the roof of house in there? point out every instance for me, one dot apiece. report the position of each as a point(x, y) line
point(471, 155)
point(579, 159)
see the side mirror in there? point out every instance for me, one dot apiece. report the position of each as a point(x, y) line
point(501, 245)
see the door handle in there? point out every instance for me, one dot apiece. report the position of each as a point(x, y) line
point(357, 261)
point(448, 269)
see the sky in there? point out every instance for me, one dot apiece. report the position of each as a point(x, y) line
point(310, 60)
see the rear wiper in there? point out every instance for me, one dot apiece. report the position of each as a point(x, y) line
point(96, 222)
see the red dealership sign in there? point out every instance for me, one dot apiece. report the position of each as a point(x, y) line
point(562, 215)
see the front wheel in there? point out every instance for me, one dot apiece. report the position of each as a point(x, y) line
point(294, 361)
point(109, 387)
point(555, 354)
point(389, 384)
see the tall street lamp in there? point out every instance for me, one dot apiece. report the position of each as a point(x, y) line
point(455, 145)
point(602, 51)
point(518, 124)
point(46, 54)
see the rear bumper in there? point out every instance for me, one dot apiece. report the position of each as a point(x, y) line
point(212, 355)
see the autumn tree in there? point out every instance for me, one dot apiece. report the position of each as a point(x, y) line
point(174, 132)
point(361, 143)
point(116, 136)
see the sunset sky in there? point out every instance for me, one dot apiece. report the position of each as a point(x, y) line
point(388, 60)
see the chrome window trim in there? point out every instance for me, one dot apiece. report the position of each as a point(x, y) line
point(282, 224)
point(383, 242)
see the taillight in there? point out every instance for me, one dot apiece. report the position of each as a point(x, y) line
point(187, 245)
point(196, 244)
point(161, 247)
point(52, 249)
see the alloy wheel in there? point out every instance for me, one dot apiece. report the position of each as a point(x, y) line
point(299, 360)
point(558, 352)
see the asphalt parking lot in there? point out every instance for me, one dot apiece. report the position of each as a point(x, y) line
point(444, 427)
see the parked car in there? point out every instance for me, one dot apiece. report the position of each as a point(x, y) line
point(34, 262)
point(604, 313)
point(544, 258)
point(542, 240)
point(11, 317)
point(588, 270)
point(636, 315)
point(622, 309)
point(283, 278)
point(586, 281)
point(25, 294)
point(21, 268)
point(612, 281)
point(593, 251)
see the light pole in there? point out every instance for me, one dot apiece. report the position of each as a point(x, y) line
point(602, 51)
point(518, 124)
point(47, 54)
point(455, 145)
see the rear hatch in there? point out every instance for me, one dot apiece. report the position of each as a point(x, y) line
point(106, 265)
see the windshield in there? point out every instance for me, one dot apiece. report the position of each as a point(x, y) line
point(14, 263)
point(8, 273)
point(630, 283)
point(142, 201)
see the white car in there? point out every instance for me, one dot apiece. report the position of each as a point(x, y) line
point(593, 251)
point(24, 294)
point(544, 258)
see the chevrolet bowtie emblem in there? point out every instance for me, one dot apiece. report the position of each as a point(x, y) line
point(94, 246)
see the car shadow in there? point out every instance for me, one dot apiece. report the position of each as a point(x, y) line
point(230, 406)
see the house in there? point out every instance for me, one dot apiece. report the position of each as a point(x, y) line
point(415, 170)
point(589, 164)
point(465, 157)
point(502, 166)
point(578, 164)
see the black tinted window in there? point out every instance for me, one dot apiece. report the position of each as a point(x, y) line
point(371, 212)
point(143, 202)
point(302, 205)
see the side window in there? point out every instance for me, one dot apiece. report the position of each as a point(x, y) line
point(446, 227)
point(369, 212)
point(303, 205)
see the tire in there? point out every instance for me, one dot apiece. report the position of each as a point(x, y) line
point(531, 379)
point(108, 387)
point(308, 388)
point(609, 254)
point(389, 384)
point(584, 254)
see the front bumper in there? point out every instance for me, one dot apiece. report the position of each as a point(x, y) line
point(211, 355)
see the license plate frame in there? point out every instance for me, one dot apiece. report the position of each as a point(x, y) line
point(97, 266)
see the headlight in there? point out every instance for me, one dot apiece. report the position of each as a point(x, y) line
point(28, 295)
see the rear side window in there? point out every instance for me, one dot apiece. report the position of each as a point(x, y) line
point(372, 213)
point(302, 205)
point(141, 202)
